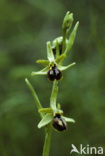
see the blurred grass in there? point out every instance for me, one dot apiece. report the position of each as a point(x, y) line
point(25, 26)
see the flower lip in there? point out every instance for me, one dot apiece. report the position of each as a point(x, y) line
point(50, 75)
point(54, 73)
point(59, 122)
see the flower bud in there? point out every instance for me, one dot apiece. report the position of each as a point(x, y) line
point(67, 22)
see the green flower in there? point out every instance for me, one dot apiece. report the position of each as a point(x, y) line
point(55, 117)
point(54, 114)
point(57, 52)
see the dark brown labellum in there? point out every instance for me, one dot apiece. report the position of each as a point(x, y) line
point(58, 74)
point(51, 75)
point(59, 123)
point(54, 73)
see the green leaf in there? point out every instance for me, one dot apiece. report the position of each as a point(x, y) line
point(50, 55)
point(38, 104)
point(46, 110)
point(62, 68)
point(71, 38)
point(41, 72)
point(69, 119)
point(46, 120)
point(54, 95)
point(43, 62)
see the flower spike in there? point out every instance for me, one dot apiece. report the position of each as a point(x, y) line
point(71, 38)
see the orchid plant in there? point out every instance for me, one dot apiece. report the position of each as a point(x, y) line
point(57, 51)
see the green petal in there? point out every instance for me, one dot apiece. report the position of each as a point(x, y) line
point(62, 68)
point(45, 110)
point(50, 55)
point(71, 38)
point(43, 62)
point(46, 120)
point(41, 72)
point(69, 119)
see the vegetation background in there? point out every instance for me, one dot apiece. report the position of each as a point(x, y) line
point(25, 26)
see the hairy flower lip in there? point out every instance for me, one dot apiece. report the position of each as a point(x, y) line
point(59, 123)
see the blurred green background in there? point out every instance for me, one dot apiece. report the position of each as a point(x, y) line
point(25, 26)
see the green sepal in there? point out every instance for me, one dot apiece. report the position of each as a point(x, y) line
point(41, 72)
point(43, 62)
point(62, 68)
point(69, 119)
point(50, 54)
point(45, 110)
point(71, 38)
point(45, 120)
point(58, 39)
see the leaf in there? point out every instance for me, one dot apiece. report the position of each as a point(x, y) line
point(69, 119)
point(71, 38)
point(46, 120)
point(38, 104)
point(50, 55)
point(41, 72)
point(43, 62)
point(62, 68)
point(46, 110)
point(54, 95)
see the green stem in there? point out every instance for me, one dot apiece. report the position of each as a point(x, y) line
point(48, 129)
point(46, 147)
point(54, 95)
point(64, 41)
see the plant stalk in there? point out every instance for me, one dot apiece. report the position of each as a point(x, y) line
point(48, 128)
point(46, 148)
